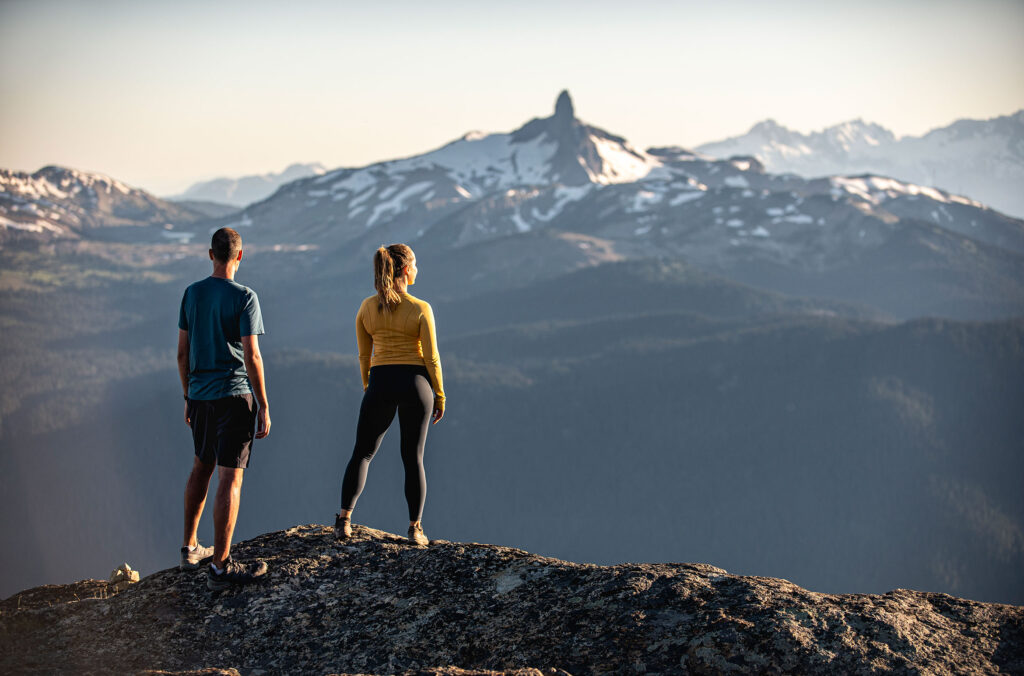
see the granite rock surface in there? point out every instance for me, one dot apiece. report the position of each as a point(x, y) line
point(378, 604)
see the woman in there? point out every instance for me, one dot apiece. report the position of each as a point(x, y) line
point(403, 373)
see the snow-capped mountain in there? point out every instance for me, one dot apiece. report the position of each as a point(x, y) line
point(57, 202)
point(980, 158)
point(776, 145)
point(247, 189)
point(558, 172)
point(557, 194)
point(403, 197)
point(555, 150)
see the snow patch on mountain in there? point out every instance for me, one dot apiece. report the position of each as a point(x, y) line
point(521, 225)
point(621, 163)
point(482, 164)
point(685, 197)
point(563, 196)
point(877, 189)
point(394, 205)
point(37, 225)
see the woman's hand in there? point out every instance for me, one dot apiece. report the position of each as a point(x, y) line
point(438, 414)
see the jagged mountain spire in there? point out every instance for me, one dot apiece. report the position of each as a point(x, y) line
point(563, 106)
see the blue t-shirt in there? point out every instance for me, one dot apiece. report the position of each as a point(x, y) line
point(217, 312)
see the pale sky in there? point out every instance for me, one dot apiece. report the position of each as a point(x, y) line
point(162, 94)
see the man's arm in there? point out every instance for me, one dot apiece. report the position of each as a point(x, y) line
point(254, 369)
point(183, 366)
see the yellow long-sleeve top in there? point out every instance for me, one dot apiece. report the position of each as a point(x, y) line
point(404, 336)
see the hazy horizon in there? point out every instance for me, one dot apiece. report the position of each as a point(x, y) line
point(161, 96)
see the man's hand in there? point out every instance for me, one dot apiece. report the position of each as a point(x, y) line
point(188, 421)
point(438, 414)
point(262, 423)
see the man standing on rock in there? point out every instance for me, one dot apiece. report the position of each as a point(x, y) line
point(221, 368)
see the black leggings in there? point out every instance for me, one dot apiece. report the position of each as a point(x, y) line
point(405, 388)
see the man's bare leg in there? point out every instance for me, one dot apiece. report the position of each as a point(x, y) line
point(225, 511)
point(195, 499)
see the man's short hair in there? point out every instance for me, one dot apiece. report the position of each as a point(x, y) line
point(226, 244)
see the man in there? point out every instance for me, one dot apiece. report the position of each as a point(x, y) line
point(221, 370)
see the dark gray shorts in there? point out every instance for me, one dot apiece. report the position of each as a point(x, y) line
point(223, 429)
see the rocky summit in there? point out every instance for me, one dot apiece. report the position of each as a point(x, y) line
point(378, 604)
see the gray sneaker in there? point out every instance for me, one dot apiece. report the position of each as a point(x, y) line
point(342, 527)
point(417, 535)
point(191, 558)
point(234, 574)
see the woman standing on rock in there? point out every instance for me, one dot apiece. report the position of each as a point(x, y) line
point(403, 374)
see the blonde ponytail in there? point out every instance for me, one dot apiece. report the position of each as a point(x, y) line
point(388, 263)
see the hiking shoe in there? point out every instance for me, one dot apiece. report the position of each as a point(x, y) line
point(191, 558)
point(235, 573)
point(417, 535)
point(342, 527)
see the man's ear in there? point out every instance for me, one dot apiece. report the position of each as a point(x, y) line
point(239, 259)
point(211, 254)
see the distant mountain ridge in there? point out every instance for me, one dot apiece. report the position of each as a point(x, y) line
point(980, 158)
point(59, 202)
point(245, 190)
point(552, 171)
point(558, 193)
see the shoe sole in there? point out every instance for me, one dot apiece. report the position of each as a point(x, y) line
point(192, 565)
point(219, 585)
point(214, 585)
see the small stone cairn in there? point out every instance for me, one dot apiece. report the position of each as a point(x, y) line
point(123, 577)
